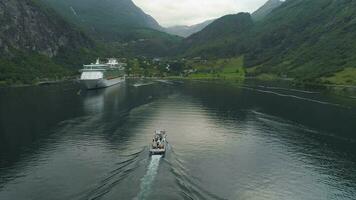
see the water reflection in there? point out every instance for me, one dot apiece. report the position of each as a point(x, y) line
point(283, 123)
point(226, 142)
point(28, 114)
point(95, 100)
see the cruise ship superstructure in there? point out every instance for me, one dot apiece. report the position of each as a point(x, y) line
point(101, 75)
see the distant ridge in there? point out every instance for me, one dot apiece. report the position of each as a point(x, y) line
point(107, 20)
point(267, 8)
point(213, 39)
point(303, 39)
point(186, 31)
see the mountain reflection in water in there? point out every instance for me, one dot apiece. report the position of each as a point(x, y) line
point(227, 141)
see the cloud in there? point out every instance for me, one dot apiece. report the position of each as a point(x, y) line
point(189, 12)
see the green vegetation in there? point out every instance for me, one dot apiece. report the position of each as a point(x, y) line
point(30, 69)
point(218, 69)
point(141, 67)
point(118, 24)
point(344, 77)
point(308, 41)
point(28, 61)
point(105, 20)
point(301, 39)
point(229, 69)
point(145, 67)
point(150, 43)
point(219, 39)
point(304, 39)
point(35, 42)
point(267, 77)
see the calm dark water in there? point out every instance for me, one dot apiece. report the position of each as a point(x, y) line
point(227, 141)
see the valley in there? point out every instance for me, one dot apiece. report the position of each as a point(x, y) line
point(307, 41)
point(164, 99)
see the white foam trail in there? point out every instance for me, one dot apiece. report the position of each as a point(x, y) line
point(166, 82)
point(289, 89)
point(148, 179)
point(142, 84)
point(295, 97)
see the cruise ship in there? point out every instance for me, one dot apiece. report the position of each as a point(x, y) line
point(100, 75)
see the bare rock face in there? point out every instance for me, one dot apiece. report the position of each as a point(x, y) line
point(28, 27)
point(108, 20)
point(266, 9)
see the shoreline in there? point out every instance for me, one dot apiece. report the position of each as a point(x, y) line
point(39, 83)
point(350, 90)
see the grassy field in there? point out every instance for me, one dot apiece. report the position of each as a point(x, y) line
point(219, 69)
point(344, 77)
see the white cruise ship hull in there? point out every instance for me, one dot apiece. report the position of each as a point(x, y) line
point(91, 84)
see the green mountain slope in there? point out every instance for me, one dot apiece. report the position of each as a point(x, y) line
point(266, 9)
point(304, 39)
point(150, 43)
point(31, 39)
point(119, 24)
point(111, 20)
point(219, 38)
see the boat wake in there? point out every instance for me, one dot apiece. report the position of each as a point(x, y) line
point(288, 89)
point(142, 84)
point(279, 123)
point(293, 96)
point(124, 168)
point(147, 180)
point(189, 186)
point(166, 82)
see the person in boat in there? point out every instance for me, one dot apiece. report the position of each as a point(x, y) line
point(159, 144)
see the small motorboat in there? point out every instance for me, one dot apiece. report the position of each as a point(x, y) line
point(159, 143)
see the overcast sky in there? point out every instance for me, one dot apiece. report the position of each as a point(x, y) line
point(189, 12)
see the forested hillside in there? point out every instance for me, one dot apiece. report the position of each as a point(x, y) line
point(119, 24)
point(303, 39)
point(31, 38)
point(310, 40)
point(219, 39)
point(111, 20)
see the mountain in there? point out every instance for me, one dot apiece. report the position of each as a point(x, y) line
point(31, 37)
point(267, 8)
point(303, 39)
point(113, 20)
point(186, 31)
point(218, 38)
point(259, 14)
point(27, 27)
point(118, 24)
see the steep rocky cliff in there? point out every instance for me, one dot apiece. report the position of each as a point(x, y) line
point(109, 20)
point(36, 44)
point(27, 27)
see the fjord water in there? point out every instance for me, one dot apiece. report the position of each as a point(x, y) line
point(226, 141)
